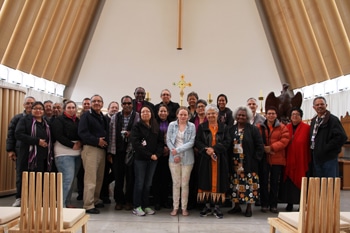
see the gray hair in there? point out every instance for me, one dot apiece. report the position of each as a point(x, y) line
point(245, 109)
point(211, 107)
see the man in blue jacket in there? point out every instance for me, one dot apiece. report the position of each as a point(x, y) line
point(93, 131)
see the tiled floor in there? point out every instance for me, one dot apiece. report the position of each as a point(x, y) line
point(123, 221)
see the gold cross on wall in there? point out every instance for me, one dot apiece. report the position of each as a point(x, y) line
point(182, 84)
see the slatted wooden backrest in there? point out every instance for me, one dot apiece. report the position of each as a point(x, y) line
point(319, 205)
point(41, 207)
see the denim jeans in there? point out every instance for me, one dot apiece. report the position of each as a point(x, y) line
point(329, 168)
point(69, 166)
point(144, 171)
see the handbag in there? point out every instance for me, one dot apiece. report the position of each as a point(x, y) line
point(130, 155)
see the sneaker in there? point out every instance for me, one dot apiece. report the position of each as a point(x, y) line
point(138, 211)
point(205, 212)
point(218, 213)
point(17, 203)
point(149, 211)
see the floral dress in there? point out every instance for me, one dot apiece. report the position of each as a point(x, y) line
point(244, 185)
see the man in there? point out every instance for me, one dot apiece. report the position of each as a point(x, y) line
point(139, 100)
point(257, 118)
point(12, 146)
point(80, 176)
point(327, 138)
point(57, 109)
point(165, 95)
point(86, 105)
point(119, 129)
point(113, 108)
point(48, 113)
point(93, 131)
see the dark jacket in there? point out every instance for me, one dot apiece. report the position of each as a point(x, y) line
point(92, 127)
point(11, 143)
point(144, 103)
point(23, 133)
point(203, 140)
point(145, 142)
point(226, 117)
point(329, 139)
point(253, 147)
point(172, 107)
point(65, 130)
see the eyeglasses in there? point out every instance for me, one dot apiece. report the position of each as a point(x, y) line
point(165, 94)
point(37, 109)
point(200, 106)
point(127, 103)
point(29, 103)
point(145, 112)
point(140, 93)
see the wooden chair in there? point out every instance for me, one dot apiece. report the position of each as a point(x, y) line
point(319, 209)
point(9, 217)
point(42, 208)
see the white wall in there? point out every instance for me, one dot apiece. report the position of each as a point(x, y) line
point(225, 50)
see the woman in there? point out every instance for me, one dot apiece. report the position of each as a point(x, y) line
point(225, 114)
point(36, 144)
point(212, 142)
point(180, 140)
point(161, 186)
point(275, 136)
point(192, 99)
point(199, 117)
point(298, 159)
point(67, 147)
point(245, 152)
point(148, 144)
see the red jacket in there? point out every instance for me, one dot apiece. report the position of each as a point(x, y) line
point(277, 139)
point(298, 153)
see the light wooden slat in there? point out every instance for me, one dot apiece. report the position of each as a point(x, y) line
point(20, 34)
point(284, 43)
point(61, 39)
point(49, 38)
point(73, 46)
point(10, 12)
point(36, 36)
point(336, 32)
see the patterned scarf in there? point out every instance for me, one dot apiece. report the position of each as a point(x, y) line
point(32, 160)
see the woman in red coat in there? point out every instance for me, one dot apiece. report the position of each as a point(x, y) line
point(298, 159)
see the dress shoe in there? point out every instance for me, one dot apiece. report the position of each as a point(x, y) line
point(274, 210)
point(264, 209)
point(118, 206)
point(70, 206)
point(235, 210)
point(174, 212)
point(99, 205)
point(92, 211)
point(185, 212)
point(128, 206)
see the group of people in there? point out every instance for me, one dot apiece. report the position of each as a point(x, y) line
point(203, 153)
